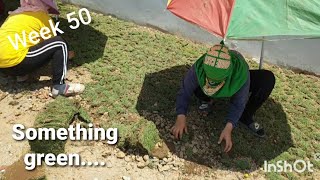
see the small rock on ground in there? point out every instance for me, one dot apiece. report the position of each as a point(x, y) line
point(141, 165)
point(146, 157)
point(109, 165)
point(165, 168)
point(126, 178)
point(121, 155)
point(139, 159)
point(128, 159)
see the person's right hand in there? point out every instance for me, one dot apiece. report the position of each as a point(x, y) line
point(180, 127)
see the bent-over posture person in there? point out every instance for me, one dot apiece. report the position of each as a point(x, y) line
point(32, 17)
point(224, 73)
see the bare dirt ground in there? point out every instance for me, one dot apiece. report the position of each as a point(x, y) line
point(21, 102)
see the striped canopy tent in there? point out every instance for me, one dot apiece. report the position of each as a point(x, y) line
point(252, 20)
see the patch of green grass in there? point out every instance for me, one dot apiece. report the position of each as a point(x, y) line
point(140, 134)
point(189, 152)
point(275, 176)
point(149, 136)
point(124, 132)
point(58, 114)
point(243, 164)
point(186, 137)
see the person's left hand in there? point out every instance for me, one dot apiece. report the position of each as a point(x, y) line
point(226, 135)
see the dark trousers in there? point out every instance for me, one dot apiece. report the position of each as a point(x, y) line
point(261, 85)
point(1, 7)
point(54, 49)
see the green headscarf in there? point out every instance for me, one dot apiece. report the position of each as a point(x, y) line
point(220, 72)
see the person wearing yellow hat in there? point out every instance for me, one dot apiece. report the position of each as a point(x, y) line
point(221, 73)
point(22, 57)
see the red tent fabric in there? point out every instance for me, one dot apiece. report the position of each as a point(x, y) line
point(212, 15)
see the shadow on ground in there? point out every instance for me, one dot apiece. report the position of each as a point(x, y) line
point(156, 103)
point(9, 5)
point(88, 43)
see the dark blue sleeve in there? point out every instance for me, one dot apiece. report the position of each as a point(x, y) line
point(188, 86)
point(238, 103)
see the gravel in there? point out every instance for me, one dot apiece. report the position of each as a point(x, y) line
point(128, 158)
point(141, 165)
point(169, 163)
point(126, 178)
point(109, 165)
point(139, 159)
point(146, 157)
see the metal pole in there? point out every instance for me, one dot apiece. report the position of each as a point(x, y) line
point(56, 16)
point(261, 55)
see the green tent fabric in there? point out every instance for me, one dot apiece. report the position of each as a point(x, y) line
point(252, 19)
point(272, 18)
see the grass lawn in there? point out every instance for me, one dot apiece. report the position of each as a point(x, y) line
point(137, 73)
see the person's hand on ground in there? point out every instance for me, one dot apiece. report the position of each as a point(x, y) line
point(226, 136)
point(180, 127)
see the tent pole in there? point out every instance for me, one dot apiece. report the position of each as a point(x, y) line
point(261, 55)
point(56, 16)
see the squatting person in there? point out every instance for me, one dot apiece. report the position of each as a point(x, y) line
point(224, 73)
point(30, 19)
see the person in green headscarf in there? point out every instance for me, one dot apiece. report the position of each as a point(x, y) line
point(222, 73)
